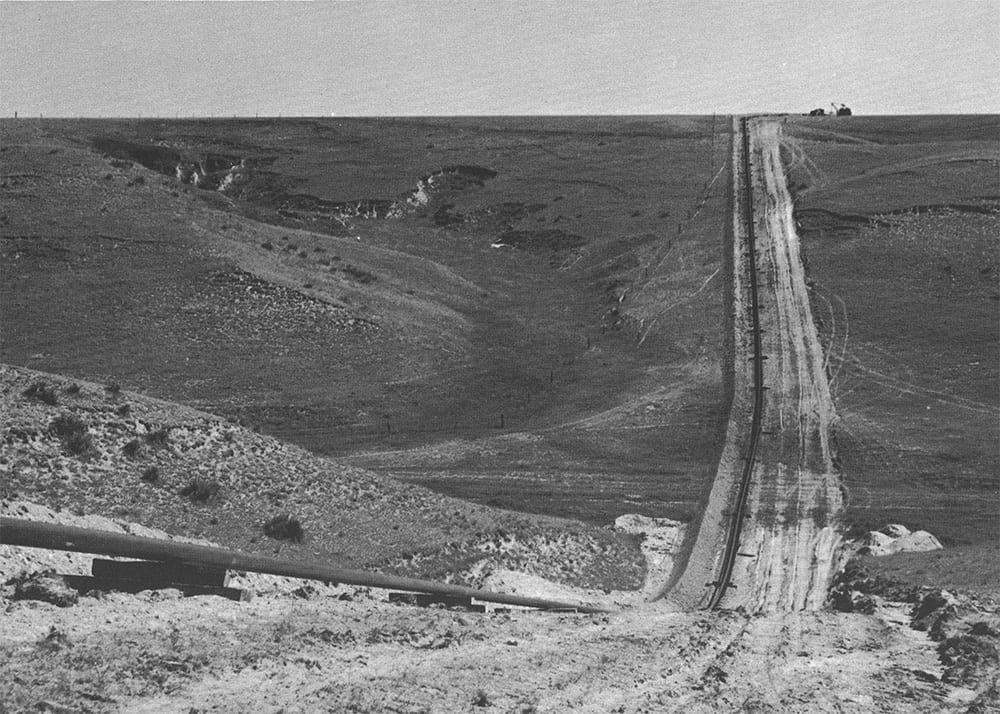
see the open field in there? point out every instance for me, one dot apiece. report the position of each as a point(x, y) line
point(536, 327)
point(900, 219)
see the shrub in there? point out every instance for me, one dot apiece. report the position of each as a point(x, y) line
point(123, 410)
point(200, 490)
point(150, 474)
point(267, 245)
point(41, 392)
point(285, 527)
point(74, 435)
point(113, 388)
point(73, 389)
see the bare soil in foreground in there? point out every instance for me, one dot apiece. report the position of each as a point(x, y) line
point(305, 647)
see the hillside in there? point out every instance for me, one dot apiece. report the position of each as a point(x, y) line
point(900, 220)
point(400, 291)
point(189, 473)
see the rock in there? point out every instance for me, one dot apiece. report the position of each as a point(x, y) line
point(987, 701)
point(844, 599)
point(714, 674)
point(915, 542)
point(932, 607)
point(636, 523)
point(984, 629)
point(895, 530)
point(46, 586)
point(876, 543)
point(968, 659)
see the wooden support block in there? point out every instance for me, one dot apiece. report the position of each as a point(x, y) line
point(428, 599)
point(86, 583)
point(153, 572)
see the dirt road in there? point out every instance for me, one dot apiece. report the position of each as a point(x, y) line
point(796, 497)
point(788, 542)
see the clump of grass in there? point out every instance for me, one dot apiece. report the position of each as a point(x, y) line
point(113, 388)
point(158, 439)
point(73, 389)
point(73, 433)
point(285, 527)
point(41, 392)
point(133, 449)
point(480, 699)
point(123, 410)
point(150, 474)
point(200, 490)
point(359, 274)
point(267, 245)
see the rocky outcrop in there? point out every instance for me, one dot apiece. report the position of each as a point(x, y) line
point(896, 538)
point(967, 631)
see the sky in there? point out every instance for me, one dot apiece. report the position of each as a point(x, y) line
point(486, 57)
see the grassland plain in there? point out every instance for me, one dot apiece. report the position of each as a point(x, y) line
point(900, 219)
point(522, 312)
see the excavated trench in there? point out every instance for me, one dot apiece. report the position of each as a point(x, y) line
point(245, 178)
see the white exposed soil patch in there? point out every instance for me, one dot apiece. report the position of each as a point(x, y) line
point(896, 538)
point(661, 540)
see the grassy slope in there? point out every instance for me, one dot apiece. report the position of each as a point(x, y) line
point(114, 272)
point(900, 219)
point(351, 518)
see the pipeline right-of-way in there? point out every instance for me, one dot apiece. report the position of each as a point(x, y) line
point(724, 579)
